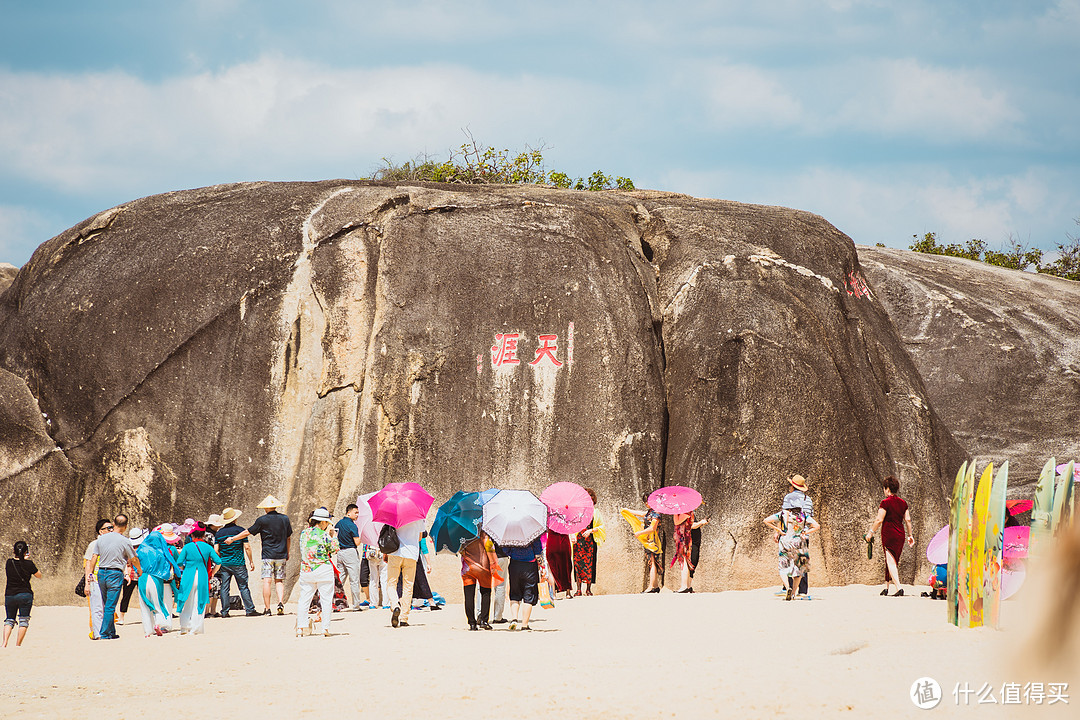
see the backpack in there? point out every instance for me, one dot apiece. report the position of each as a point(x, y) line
point(388, 539)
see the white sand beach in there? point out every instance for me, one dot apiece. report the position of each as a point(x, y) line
point(847, 653)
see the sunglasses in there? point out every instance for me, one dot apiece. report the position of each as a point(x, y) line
point(106, 527)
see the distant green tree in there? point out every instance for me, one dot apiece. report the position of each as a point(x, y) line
point(1016, 255)
point(476, 163)
point(1067, 264)
point(972, 249)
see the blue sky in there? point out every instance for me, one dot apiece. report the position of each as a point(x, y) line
point(887, 118)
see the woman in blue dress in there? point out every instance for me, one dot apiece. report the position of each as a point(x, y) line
point(158, 567)
point(198, 561)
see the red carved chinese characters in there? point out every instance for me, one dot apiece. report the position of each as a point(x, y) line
point(504, 351)
point(548, 348)
point(856, 285)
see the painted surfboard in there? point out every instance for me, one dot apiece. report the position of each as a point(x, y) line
point(978, 545)
point(954, 542)
point(963, 553)
point(994, 547)
point(1063, 497)
point(1041, 511)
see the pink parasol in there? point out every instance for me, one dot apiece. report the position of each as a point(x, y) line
point(570, 509)
point(1017, 507)
point(1060, 469)
point(399, 504)
point(1016, 541)
point(674, 499)
point(369, 529)
point(1011, 580)
point(937, 551)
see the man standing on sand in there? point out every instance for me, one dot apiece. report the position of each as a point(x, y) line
point(274, 530)
point(403, 562)
point(112, 553)
point(232, 563)
point(120, 525)
point(348, 557)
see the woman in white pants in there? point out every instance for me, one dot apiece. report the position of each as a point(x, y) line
point(318, 542)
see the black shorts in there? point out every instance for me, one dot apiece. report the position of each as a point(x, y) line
point(524, 578)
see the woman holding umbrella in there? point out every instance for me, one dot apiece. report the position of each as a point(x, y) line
point(571, 509)
point(516, 519)
point(479, 568)
point(585, 544)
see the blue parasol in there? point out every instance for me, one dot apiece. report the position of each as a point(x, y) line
point(457, 521)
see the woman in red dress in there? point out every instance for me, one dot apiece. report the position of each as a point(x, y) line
point(893, 517)
point(559, 560)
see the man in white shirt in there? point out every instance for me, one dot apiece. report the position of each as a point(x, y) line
point(403, 562)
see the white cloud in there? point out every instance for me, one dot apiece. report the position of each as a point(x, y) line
point(890, 204)
point(273, 116)
point(740, 96)
point(910, 98)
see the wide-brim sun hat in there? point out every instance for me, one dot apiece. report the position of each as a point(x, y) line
point(798, 482)
point(215, 520)
point(187, 526)
point(136, 536)
point(321, 514)
point(230, 514)
point(269, 503)
point(168, 532)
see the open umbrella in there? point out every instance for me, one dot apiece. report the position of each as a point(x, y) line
point(515, 518)
point(368, 528)
point(570, 509)
point(399, 504)
point(486, 495)
point(937, 551)
point(1017, 507)
point(1016, 541)
point(674, 499)
point(457, 521)
point(1065, 466)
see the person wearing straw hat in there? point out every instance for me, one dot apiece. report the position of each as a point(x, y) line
point(318, 542)
point(274, 530)
point(232, 562)
point(798, 498)
point(793, 527)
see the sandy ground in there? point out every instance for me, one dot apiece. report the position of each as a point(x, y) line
point(847, 653)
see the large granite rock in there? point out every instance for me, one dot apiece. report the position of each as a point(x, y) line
point(998, 349)
point(204, 348)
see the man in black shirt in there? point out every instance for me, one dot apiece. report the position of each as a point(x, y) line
point(274, 531)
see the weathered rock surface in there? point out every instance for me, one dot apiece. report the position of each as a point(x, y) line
point(7, 275)
point(998, 349)
point(204, 348)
